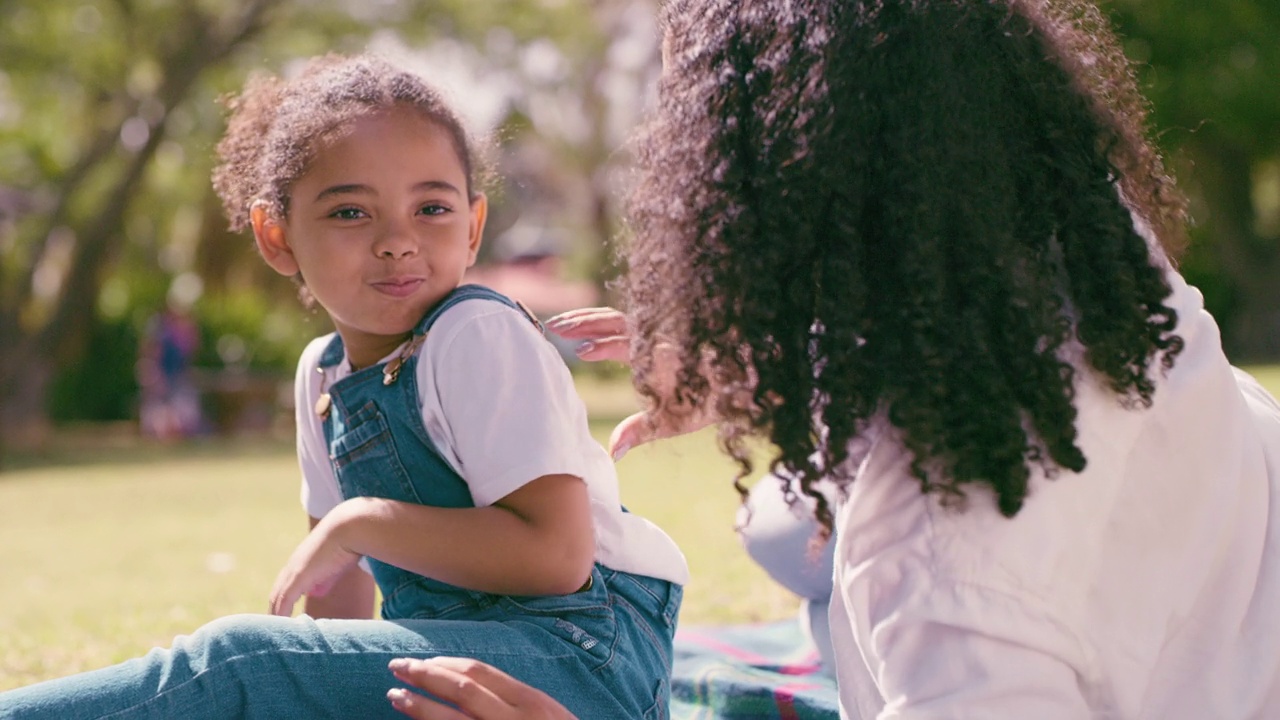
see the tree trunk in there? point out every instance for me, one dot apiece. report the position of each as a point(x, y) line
point(29, 355)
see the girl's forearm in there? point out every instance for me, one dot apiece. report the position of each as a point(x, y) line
point(491, 549)
point(350, 598)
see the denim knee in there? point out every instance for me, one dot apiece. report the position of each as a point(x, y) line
point(235, 636)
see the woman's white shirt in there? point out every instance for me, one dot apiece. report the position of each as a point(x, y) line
point(500, 406)
point(1146, 586)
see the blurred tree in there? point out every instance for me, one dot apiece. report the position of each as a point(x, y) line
point(1212, 72)
point(90, 90)
point(109, 111)
point(583, 98)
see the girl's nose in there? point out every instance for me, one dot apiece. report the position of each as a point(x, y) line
point(399, 250)
point(397, 241)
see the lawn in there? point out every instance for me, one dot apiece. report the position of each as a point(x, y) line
point(117, 546)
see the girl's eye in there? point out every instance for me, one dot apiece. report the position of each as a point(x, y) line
point(433, 209)
point(347, 213)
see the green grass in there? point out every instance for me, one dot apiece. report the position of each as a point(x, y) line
point(112, 546)
point(1269, 376)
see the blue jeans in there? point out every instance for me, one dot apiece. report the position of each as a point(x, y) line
point(260, 666)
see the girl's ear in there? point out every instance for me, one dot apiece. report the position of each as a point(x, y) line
point(270, 238)
point(479, 212)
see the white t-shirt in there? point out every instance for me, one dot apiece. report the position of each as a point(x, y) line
point(1146, 586)
point(501, 408)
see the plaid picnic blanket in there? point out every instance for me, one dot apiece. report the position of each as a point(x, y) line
point(763, 671)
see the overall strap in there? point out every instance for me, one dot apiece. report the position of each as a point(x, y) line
point(472, 292)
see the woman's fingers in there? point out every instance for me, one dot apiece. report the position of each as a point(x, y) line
point(639, 429)
point(422, 708)
point(480, 691)
point(603, 332)
point(588, 323)
point(508, 689)
point(447, 683)
point(616, 347)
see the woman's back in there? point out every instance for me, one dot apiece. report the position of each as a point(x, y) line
point(1144, 586)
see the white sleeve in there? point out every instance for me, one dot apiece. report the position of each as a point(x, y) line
point(949, 650)
point(320, 492)
point(502, 398)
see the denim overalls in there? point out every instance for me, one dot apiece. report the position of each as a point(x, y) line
point(604, 652)
point(375, 434)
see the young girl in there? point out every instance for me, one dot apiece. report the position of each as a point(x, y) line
point(924, 247)
point(439, 437)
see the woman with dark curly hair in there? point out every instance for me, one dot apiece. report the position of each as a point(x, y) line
point(925, 249)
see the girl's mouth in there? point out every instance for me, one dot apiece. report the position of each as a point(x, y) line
point(398, 286)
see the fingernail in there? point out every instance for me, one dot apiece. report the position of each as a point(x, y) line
point(398, 696)
point(398, 665)
point(586, 347)
point(620, 450)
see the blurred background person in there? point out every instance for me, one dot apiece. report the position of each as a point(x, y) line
point(169, 401)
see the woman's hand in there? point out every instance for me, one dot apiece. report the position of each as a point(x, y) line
point(315, 565)
point(480, 692)
point(604, 335)
point(602, 330)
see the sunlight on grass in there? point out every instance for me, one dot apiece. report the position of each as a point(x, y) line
point(107, 558)
point(104, 561)
point(1268, 375)
point(115, 547)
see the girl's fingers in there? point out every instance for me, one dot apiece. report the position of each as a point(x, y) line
point(281, 602)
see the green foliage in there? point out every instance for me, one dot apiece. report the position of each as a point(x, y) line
point(246, 330)
point(1208, 65)
point(85, 84)
point(1210, 70)
point(104, 388)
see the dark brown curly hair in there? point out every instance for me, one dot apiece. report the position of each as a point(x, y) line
point(275, 126)
point(906, 209)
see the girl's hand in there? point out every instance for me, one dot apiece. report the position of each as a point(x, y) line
point(318, 561)
point(604, 333)
point(481, 692)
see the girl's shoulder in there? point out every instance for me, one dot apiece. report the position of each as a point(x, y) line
point(484, 320)
point(314, 351)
